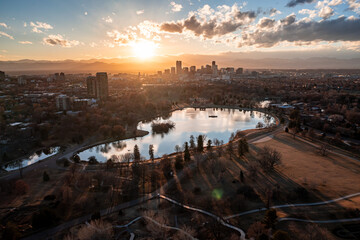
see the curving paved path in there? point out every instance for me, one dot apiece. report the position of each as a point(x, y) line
point(320, 221)
point(294, 205)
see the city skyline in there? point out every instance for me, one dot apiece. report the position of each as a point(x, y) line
point(145, 30)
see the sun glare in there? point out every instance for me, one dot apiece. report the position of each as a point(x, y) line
point(144, 49)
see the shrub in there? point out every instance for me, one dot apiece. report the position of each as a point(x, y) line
point(46, 177)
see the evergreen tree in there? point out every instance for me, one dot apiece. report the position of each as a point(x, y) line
point(186, 153)
point(151, 151)
point(192, 142)
point(200, 143)
point(136, 153)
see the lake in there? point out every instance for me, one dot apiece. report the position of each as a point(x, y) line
point(189, 121)
point(37, 156)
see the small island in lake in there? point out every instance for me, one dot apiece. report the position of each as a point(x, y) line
point(163, 127)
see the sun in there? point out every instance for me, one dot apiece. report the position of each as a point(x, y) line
point(144, 49)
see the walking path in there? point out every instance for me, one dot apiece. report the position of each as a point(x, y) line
point(294, 205)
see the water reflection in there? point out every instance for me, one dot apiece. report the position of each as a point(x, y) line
point(37, 156)
point(189, 121)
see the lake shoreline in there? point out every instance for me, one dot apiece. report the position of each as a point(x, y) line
point(85, 155)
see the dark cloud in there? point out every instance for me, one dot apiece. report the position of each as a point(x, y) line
point(54, 40)
point(293, 3)
point(266, 23)
point(244, 15)
point(288, 20)
point(341, 29)
point(211, 28)
point(171, 27)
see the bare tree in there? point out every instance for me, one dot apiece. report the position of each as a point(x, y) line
point(97, 229)
point(269, 157)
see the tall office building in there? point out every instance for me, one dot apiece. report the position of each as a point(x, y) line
point(172, 70)
point(214, 68)
point(178, 67)
point(193, 69)
point(62, 76)
point(98, 86)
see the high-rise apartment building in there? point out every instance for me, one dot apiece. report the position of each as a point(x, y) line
point(178, 67)
point(172, 70)
point(63, 102)
point(98, 86)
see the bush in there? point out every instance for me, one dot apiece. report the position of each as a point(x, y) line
point(46, 177)
point(21, 187)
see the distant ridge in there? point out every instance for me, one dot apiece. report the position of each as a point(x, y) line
point(132, 65)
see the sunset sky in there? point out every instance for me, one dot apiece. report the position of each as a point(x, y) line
point(57, 30)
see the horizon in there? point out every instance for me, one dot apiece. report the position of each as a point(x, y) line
point(110, 30)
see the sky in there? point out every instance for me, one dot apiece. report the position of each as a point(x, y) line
point(88, 29)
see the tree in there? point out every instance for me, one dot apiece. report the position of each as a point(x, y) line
point(230, 148)
point(208, 146)
point(256, 230)
point(118, 131)
point(166, 167)
point(270, 218)
point(136, 153)
point(192, 142)
point(151, 151)
point(269, 157)
point(92, 160)
point(179, 162)
point(177, 148)
point(186, 153)
point(200, 143)
point(243, 147)
point(76, 158)
point(97, 229)
point(46, 177)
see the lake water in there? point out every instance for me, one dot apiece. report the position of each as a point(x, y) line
point(188, 121)
point(37, 156)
